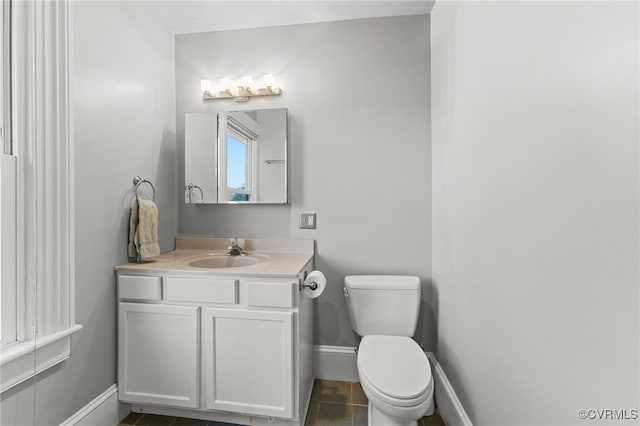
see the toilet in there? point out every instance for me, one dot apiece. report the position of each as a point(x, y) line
point(393, 369)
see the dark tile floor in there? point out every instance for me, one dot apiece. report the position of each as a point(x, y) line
point(345, 404)
point(332, 404)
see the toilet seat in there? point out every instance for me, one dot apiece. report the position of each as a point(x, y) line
point(375, 394)
point(396, 369)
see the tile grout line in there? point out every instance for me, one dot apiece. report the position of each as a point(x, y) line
point(134, 423)
point(315, 419)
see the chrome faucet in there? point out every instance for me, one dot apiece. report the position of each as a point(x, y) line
point(234, 249)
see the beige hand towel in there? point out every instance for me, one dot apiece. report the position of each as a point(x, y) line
point(143, 227)
point(146, 237)
point(132, 250)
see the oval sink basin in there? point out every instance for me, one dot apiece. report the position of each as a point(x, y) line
point(222, 261)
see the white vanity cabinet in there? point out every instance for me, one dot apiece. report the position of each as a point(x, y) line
point(158, 354)
point(215, 347)
point(249, 361)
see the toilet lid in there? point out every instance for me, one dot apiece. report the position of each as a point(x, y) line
point(395, 365)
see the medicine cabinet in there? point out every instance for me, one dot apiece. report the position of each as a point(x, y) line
point(237, 157)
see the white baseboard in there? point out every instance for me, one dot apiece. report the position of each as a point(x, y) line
point(335, 363)
point(447, 401)
point(102, 411)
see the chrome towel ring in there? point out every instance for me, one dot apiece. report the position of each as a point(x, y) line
point(191, 187)
point(137, 181)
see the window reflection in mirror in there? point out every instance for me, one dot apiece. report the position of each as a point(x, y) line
point(252, 147)
point(238, 165)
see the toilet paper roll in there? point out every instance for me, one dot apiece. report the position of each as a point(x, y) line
point(317, 278)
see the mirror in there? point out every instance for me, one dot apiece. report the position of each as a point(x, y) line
point(237, 157)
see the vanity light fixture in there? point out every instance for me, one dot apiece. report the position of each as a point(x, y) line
point(240, 89)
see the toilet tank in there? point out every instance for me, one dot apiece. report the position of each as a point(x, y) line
point(383, 304)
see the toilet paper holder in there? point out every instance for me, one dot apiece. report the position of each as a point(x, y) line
point(312, 285)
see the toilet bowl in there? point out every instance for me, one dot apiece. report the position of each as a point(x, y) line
point(393, 369)
point(396, 378)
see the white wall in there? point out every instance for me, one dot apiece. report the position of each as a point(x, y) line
point(124, 125)
point(358, 97)
point(536, 207)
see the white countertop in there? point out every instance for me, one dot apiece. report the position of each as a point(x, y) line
point(283, 259)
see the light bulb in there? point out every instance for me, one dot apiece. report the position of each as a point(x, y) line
point(270, 83)
point(225, 83)
point(248, 83)
point(206, 86)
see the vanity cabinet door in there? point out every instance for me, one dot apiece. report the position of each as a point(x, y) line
point(158, 355)
point(249, 361)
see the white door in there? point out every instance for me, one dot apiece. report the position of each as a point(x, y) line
point(158, 355)
point(249, 361)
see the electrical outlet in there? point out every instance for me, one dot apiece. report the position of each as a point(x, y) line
point(307, 220)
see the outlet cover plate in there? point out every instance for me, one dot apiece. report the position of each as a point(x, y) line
point(307, 220)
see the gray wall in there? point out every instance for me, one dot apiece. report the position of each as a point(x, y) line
point(358, 97)
point(124, 125)
point(536, 207)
